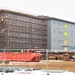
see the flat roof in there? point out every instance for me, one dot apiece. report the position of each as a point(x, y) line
point(52, 18)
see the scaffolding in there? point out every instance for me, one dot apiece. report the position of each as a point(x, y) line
point(19, 31)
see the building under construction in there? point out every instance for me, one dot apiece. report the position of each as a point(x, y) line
point(22, 31)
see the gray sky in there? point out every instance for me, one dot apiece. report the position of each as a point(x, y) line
point(63, 9)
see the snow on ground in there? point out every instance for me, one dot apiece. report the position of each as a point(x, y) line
point(39, 73)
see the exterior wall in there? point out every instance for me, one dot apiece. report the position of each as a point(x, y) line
point(22, 32)
point(57, 34)
point(71, 35)
point(48, 34)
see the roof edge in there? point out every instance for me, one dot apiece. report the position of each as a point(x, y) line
point(53, 18)
point(34, 16)
point(24, 14)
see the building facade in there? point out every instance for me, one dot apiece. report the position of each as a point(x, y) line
point(61, 34)
point(23, 31)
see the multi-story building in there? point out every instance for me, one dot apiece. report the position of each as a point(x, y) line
point(21, 31)
point(61, 34)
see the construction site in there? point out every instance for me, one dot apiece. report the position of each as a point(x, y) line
point(35, 58)
point(24, 41)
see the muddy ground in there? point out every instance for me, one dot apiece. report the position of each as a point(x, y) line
point(52, 65)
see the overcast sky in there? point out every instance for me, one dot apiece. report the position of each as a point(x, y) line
point(63, 9)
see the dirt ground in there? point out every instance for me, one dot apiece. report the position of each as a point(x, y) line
point(52, 65)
